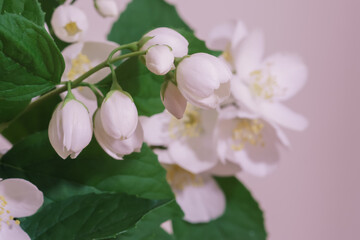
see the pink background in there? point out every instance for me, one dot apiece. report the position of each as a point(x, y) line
point(315, 192)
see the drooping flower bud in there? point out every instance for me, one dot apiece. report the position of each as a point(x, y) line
point(117, 148)
point(203, 80)
point(69, 23)
point(106, 8)
point(159, 59)
point(70, 128)
point(119, 115)
point(173, 100)
point(169, 37)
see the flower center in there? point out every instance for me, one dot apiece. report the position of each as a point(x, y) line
point(263, 84)
point(5, 216)
point(188, 126)
point(72, 29)
point(79, 65)
point(247, 131)
point(178, 178)
point(227, 54)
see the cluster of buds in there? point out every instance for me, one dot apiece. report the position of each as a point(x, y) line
point(200, 78)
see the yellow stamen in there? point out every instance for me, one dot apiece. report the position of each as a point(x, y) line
point(72, 29)
point(79, 66)
point(247, 131)
point(178, 177)
point(188, 126)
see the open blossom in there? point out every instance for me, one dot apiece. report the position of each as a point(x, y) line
point(117, 148)
point(203, 80)
point(227, 37)
point(169, 37)
point(159, 59)
point(189, 140)
point(106, 8)
point(69, 23)
point(119, 116)
point(248, 141)
point(173, 100)
point(70, 128)
point(262, 85)
point(18, 198)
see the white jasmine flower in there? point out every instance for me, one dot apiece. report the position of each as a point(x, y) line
point(18, 198)
point(169, 37)
point(227, 37)
point(173, 100)
point(80, 58)
point(159, 59)
point(70, 128)
point(106, 8)
point(262, 85)
point(119, 116)
point(203, 80)
point(117, 148)
point(248, 141)
point(69, 23)
point(189, 141)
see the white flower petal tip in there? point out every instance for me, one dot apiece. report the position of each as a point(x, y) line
point(18, 198)
point(119, 115)
point(173, 100)
point(5, 145)
point(201, 202)
point(69, 23)
point(159, 59)
point(70, 129)
point(106, 8)
point(169, 37)
point(117, 148)
point(167, 226)
point(203, 80)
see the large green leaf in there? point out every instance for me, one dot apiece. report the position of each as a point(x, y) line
point(29, 9)
point(9, 110)
point(142, 16)
point(92, 171)
point(90, 216)
point(242, 219)
point(30, 62)
point(143, 86)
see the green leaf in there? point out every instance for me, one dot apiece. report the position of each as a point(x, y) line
point(144, 86)
point(9, 110)
point(142, 16)
point(29, 9)
point(242, 219)
point(30, 62)
point(92, 171)
point(91, 216)
point(31, 122)
point(148, 227)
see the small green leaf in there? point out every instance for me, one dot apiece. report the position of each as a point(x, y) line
point(91, 216)
point(29, 9)
point(142, 16)
point(144, 86)
point(243, 219)
point(30, 62)
point(93, 170)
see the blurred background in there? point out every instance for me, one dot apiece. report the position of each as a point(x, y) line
point(315, 192)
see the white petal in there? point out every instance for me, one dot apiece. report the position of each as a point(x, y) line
point(284, 116)
point(107, 8)
point(167, 226)
point(163, 156)
point(243, 95)
point(23, 198)
point(159, 59)
point(248, 55)
point(5, 145)
point(174, 101)
point(225, 169)
point(156, 129)
point(13, 232)
point(289, 72)
point(201, 203)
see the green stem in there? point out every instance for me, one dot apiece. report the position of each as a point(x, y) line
point(132, 46)
point(74, 84)
point(115, 85)
point(95, 90)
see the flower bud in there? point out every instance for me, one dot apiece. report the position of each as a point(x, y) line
point(70, 128)
point(173, 100)
point(203, 80)
point(169, 37)
point(69, 23)
point(106, 8)
point(117, 148)
point(159, 59)
point(119, 115)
